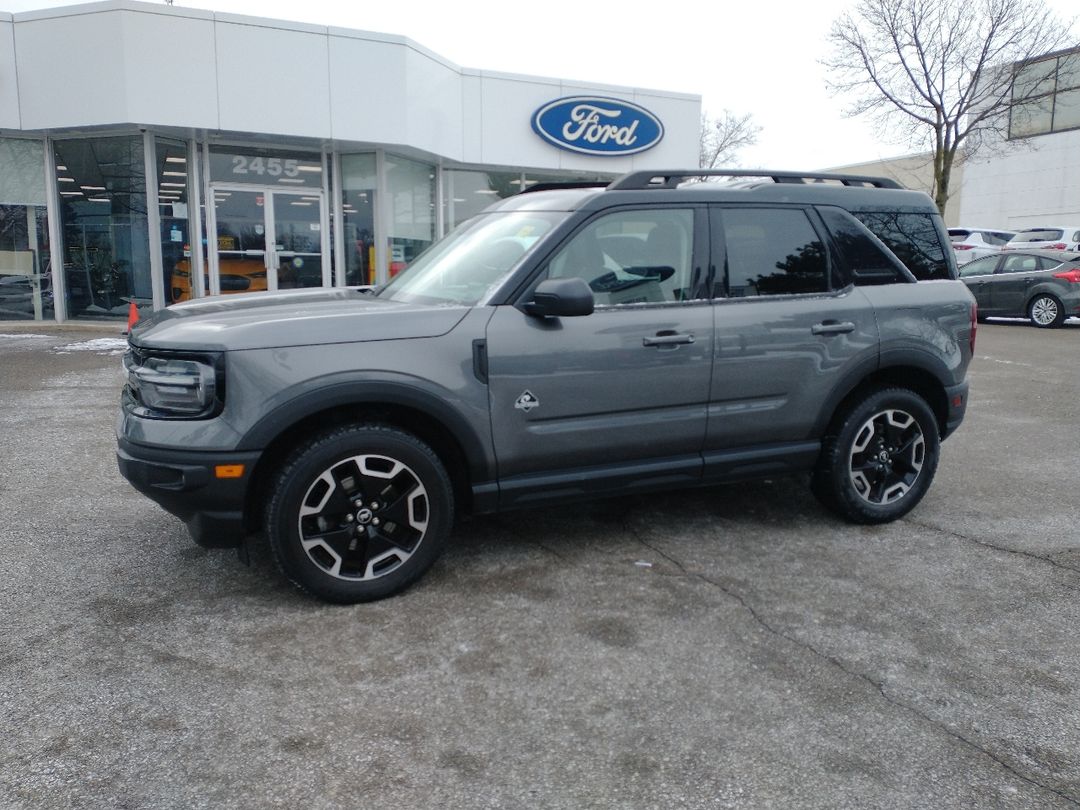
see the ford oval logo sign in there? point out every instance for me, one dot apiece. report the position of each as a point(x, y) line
point(593, 125)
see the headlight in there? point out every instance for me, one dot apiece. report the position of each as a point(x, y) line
point(172, 386)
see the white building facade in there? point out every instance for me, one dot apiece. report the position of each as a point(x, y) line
point(1035, 179)
point(272, 155)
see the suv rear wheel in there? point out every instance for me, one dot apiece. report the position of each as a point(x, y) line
point(879, 459)
point(359, 513)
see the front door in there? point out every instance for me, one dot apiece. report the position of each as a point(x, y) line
point(267, 239)
point(577, 403)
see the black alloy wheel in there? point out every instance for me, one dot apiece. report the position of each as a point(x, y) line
point(880, 456)
point(359, 513)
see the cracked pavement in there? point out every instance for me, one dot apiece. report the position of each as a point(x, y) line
point(725, 647)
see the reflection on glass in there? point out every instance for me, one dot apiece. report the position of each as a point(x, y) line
point(172, 179)
point(25, 280)
point(773, 252)
point(104, 225)
point(241, 240)
point(358, 183)
point(411, 187)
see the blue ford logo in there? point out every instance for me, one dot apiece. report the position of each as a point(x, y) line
point(594, 125)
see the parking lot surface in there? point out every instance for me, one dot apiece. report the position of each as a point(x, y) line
point(724, 647)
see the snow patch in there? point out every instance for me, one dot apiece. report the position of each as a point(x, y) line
point(103, 345)
point(27, 335)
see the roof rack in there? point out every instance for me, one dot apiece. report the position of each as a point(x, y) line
point(671, 178)
point(569, 184)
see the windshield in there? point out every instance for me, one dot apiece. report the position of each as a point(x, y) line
point(463, 266)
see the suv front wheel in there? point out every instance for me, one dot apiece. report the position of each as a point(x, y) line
point(879, 458)
point(359, 513)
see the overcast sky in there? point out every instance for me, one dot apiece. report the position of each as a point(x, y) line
point(757, 57)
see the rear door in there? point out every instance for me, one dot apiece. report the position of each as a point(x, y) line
point(585, 399)
point(788, 330)
point(978, 275)
point(1010, 286)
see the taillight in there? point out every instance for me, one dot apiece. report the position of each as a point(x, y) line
point(1056, 246)
point(1071, 276)
point(974, 326)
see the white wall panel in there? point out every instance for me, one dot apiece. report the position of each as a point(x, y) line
point(434, 108)
point(367, 89)
point(9, 89)
point(507, 138)
point(472, 118)
point(170, 75)
point(1025, 186)
point(71, 70)
point(272, 80)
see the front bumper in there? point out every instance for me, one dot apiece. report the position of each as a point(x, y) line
point(185, 484)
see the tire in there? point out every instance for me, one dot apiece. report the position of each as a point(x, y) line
point(1046, 312)
point(359, 513)
point(879, 458)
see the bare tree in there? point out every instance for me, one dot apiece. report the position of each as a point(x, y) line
point(723, 137)
point(944, 74)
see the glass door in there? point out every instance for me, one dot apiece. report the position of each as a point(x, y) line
point(267, 240)
point(296, 225)
point(240, 216)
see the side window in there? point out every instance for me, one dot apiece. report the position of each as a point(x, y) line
point(771, 252)
point(1020, 264)
point(632, 257)
point(979, 267)
point(862, 254)
point(913, 238)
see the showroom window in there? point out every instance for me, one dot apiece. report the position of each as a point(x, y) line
point(467, 193)
point(25, 281)
point(173, 178)
point(359, 196)
point(102, 187)
point(410, 186)
point(1053, 87)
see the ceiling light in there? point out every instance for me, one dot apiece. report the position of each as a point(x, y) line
point(299, 180)
point(176, 160)
point(92, 188)
point(175, 174)
point(174, 185)
point(310, 168)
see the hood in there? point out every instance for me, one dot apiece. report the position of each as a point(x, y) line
point(268, 320)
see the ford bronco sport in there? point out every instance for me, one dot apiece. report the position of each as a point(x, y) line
point(566, 343)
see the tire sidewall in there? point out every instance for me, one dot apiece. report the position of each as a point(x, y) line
point(316, 456)
point(842, 495)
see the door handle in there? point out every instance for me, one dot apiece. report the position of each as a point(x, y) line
point(832, 328)
point(667, 338)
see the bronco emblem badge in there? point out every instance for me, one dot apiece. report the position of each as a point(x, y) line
point(526, 402)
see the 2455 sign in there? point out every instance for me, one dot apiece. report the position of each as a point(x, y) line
point(595, 125)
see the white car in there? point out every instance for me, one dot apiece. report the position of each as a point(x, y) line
point(1050, 237)
point(974, 243)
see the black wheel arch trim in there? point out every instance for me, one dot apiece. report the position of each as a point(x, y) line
point(347, 391)
point(880, 365)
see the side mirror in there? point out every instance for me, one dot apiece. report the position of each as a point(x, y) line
point(561, 298)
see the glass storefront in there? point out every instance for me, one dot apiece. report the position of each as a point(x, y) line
point(410, 186)
point(468, 192)
point(257, 219)
point(359, 196)
point(25, 279)
point(268, 214)
point(175, 214)
point(103, 216)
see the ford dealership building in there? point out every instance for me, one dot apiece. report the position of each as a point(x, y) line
point(279, 155)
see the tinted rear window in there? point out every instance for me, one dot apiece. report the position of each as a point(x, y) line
point(1038, 235)
point(913, 238)
point(957, 235)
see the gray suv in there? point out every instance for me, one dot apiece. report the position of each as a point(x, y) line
point(567, 343)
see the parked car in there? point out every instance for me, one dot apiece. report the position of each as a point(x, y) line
point(564, 344)
point(1051, 237)
point(1041, 285)
point(969, 244)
